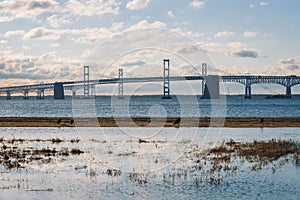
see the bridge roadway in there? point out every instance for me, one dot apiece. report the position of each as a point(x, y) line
point(247, 80)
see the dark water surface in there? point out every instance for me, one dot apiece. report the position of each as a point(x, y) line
point(152, 105)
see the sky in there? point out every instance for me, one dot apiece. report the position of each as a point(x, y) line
point(51, 40)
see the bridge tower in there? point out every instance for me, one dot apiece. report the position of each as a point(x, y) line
point(211, 87)
point(204, 73)
point(210, 84)
point(86, 81)
point(248, 89)
point(120, 85)
point(166, 84)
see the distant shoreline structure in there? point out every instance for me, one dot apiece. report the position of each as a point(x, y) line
point(139, 122)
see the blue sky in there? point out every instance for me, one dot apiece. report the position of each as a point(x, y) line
point(50, 40)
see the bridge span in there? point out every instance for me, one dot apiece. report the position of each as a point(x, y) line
point(210, 84)
point(247, 81)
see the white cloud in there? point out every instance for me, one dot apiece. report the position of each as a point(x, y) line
point(243, 69)
point(146, 24)
point(25, 8)
point(264, 3)
point(236, 45)
point(57, 21)
point(197, 4)
point(6, 18)
point(14, 33)
point(3, 42)
point(20, 69)
point(117, 26)
point(249, 34)
point(192, 50)
point(289, 64)
point(170, 14)
point(12, 9)
point(42, 33)
point(91, 7)
point(212, 47)
point(137, 4)
point(194, 34)
point(223, 34)
point(85, 40)
point(87, 35)
point(287, 61)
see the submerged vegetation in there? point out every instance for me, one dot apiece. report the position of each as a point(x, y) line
point(14, 154)
point(213, 165)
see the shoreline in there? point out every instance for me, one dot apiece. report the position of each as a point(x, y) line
point(229, 122)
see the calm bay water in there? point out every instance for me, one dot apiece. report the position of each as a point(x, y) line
point(153, 105)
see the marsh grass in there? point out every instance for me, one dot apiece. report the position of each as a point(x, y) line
point(14, 155)
point(212, 165)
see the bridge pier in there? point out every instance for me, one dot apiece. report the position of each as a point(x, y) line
point(248, 91)
point(26, 94)
point(59, 91)
point(8, 95)
point(41, 94)
point(288, 92)
point(211, 87)
point(73, 93)
point(247, 88)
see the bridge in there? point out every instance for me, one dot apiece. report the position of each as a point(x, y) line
point(210, 83)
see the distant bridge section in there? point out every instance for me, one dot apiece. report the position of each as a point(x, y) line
point(59, 87)
point(248, 81)
point(210, 83)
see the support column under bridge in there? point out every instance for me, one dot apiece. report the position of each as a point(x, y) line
point(8, 94)
point(59, 91)
point(288, 92)
point(247, 89)
point(248, 92)
point(211, 87)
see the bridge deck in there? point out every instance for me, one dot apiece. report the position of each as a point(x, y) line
point(287, 81)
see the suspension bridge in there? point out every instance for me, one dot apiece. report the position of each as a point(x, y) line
point(210, 84)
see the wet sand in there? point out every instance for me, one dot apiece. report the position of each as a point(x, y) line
point(232, 122)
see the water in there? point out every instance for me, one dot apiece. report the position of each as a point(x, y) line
point(103, 152)
point(153, 105)
point(85, 176)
